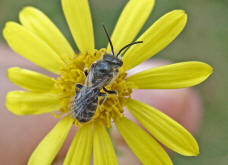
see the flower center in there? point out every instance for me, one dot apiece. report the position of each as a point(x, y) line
point(111, 108)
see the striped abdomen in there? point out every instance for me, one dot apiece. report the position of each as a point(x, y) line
point(85, 103)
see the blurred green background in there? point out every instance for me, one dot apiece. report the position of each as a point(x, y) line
point(205, 39)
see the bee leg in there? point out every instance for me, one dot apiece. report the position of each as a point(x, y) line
point(77, 87)
point(109, 92)
point(86, 72)
point(104, 95)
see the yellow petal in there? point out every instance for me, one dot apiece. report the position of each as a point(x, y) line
point(47, 150)
point(130, 22)
point(179, 75)
point(164, 129)
point(142, 144)
point(77, 13)
point(30, 80)
point(38, 23)
point(157, 37)
point(81, 148)
point(27, 44)
point(26, 103)
point(103, 152)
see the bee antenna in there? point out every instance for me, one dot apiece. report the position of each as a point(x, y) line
point(128, 45)
point(108, 38)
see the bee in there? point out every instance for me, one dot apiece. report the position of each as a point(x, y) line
point(101, 74)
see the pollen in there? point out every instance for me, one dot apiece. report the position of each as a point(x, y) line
point(111, 109)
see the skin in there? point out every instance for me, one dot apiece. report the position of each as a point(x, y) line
point(21, 134)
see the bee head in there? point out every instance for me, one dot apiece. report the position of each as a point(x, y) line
point(113, 60)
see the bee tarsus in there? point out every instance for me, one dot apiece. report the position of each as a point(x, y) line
point(109, 91)
point(104, 95)
point(86, 72)
point(78, 87)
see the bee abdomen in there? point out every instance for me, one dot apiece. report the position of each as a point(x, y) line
point(86, 114)
point(85, 117)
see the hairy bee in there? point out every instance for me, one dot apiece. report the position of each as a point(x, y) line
point(101, 73)
point(86, 102)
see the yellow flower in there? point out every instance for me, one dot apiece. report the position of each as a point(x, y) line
point(40, 41)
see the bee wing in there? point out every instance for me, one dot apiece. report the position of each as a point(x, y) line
point(100, 83)
point(94, 81)
point(83, 101)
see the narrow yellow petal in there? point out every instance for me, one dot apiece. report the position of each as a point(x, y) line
point(173, 76)
point(164, 129)
point(157, 37)
point(130, 22)
point(81, 147)
point(103, 152)
point(27, 103)
point(142, 144)
point(47, 150)
point(37, 22)
point(27, 44)
point(77, 13)
point(30, 80)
